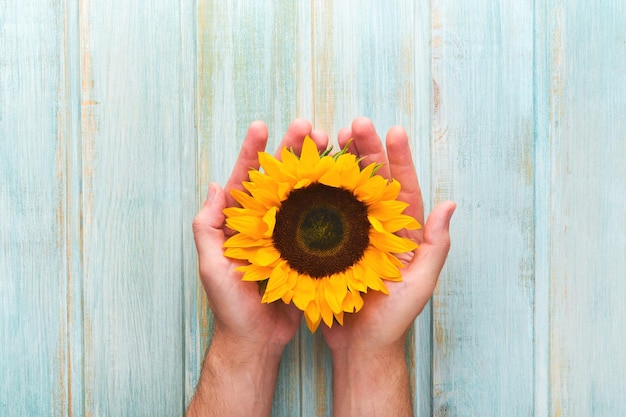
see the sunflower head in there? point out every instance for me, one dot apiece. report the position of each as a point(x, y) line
point(318, 231)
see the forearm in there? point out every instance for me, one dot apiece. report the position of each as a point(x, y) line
point(371, 383)
point(236, 380)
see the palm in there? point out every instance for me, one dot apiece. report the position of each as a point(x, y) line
point(241, 311)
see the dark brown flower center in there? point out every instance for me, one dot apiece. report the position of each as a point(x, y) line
point(321, 230)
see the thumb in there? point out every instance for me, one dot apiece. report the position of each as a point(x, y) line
point(207, 225)
point(432, 253)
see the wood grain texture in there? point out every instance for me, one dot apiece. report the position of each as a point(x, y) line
point(33, 243)
point(483, 159)
point(114, 117)
point(132, 125)
point(542, 238)
point(588, 208)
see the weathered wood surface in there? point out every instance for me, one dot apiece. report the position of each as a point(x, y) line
point(114, 117)
point(34, 273)
point(587, 209)
point(483, 159)
point(134, 135)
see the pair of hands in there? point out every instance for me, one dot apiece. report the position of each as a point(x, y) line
point(384, 320)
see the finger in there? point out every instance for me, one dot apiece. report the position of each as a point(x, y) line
point(255, 142)
point(214, 268)
point(369, 146)
point(402, 169)
point(343, 138)
point(432, 253)
point(207, 225)
point(294, 136)
point(320, 138)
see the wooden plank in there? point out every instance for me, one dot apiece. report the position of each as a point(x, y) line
point(193, 353)
point(248, 69)
point(483, 159)
point(33, 241)
point(364, 58)
point(422, 135)
point(543, 239)
point(588, 176)
point(133, 119)
point(74, 212)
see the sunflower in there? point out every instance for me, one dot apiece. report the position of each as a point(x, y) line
point(318, 231)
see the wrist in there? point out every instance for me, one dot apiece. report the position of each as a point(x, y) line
point(360, 363)
point(371, 382)
point(242, 360)
point(234, 366)
point(245, 348)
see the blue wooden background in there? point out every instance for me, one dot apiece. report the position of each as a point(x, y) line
point(115, 115)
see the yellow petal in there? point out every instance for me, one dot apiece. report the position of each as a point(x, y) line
point(376, 224)
point(335, 289)
point(259, 179)
point(394, 260)
point(292, 279)
point(251, 226)
point(381, 265)
point(240, 253)
point(270, 221)
point(392, 190)
point(355, 278)
point(350, 171)
point(241, 240)
point(312, 324)
point(312, 316)
point(373, 281)
point(240, 212)
point(401, 222)
point(274, 168)
point(339, 317)
point(265, 256)
point(348, 303)
point(326, 312)
point(304, 182)
point(312, 310)
point(275, 285)
point(388, 242)
point(309, 156)
point(372, 190)
point(263, 188)
point(332, 178)
point(317, 171)
point(269, 197)
point(290, 161)
point(366, 174)
point(386, 209)
point(288, 296)
point(358, 301)
point(305, 290)
point(284, 188)
point(246, 200)
point(254, 272)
